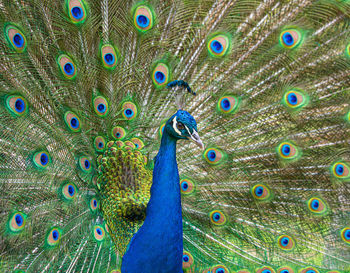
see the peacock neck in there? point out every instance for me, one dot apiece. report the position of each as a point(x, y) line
point(160, 237)
point(165, 190)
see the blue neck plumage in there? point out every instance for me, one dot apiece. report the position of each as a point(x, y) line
point(165, 177)
point(160, 237)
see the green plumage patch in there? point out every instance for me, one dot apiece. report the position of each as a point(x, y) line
point(124, 202)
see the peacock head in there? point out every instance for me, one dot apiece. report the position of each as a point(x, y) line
point(183, 126)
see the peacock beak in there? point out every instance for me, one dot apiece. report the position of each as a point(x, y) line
point(196, 139)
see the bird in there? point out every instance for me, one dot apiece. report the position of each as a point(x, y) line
point(203, 136)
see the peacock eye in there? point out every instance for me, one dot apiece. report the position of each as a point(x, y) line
point(180, 126)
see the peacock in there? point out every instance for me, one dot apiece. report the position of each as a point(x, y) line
point(175, 136)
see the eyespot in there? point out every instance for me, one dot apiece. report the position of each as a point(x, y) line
point(265, 269)
point(317, 206)
point(214, 156)
point(287, 150)
point(143, 18)
point(118, 133)
point(67, 67)
point(285, 269)
point(218, 46)
point(217, 218)
point(72, 121)
point(41, 159)
point(54, 236)
point(17, 221)
point(290, 38)
point(109, 56)
point(260, 192)
point(309, 270)
point(187, 187)
point(160, 75)
point(129, 110)
point(187, 260)
point(138, 143)
point(286, 242)
point(85, 164)
point(99, 233)
point(295, 99)
point(17, 105)
point(69, 191)
point(220, 269)
point(94, 204)
point(345, 235)
point(101, 106)
point(99, 144)
point(340, 170)
point(15, 38)
point(161, 129)
point(227, 104)
point(76, 11)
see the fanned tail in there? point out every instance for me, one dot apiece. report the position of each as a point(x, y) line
point(84, 100)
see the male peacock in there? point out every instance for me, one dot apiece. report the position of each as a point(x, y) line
point(87, 98)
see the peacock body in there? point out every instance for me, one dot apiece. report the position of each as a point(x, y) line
point(90, 177)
